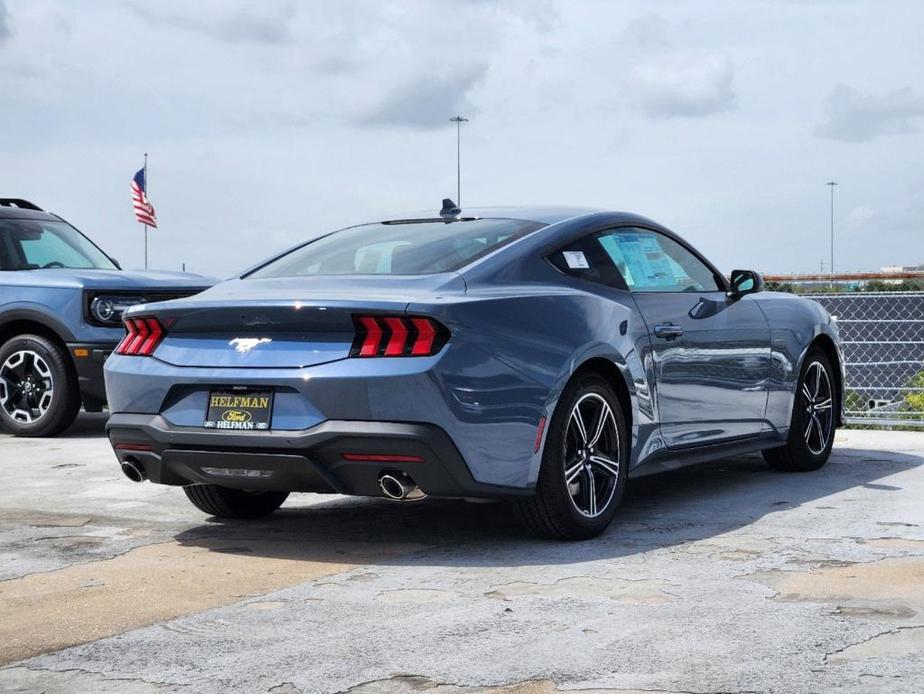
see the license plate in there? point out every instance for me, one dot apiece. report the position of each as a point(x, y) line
point(239, 408)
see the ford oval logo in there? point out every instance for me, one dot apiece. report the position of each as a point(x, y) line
point(245, 344)
point(236, 416)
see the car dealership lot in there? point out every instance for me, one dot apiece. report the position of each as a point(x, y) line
point(722, 577)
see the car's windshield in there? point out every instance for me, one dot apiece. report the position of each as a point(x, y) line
point(398, 248)
point(35, 244)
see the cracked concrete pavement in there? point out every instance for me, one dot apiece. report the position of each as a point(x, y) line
point(725, 577)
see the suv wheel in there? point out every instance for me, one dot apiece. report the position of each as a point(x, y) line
point(38, 388)
point(584, 464)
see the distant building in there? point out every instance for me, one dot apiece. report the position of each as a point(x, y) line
point(902, 268)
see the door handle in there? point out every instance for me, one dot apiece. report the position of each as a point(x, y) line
point(668, 331)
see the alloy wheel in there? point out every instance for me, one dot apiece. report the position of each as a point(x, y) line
point(26, 386)
point(591, 455)
point(817, 408)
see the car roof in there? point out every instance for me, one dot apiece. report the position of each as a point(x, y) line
point(544, 214)
point(23, 213)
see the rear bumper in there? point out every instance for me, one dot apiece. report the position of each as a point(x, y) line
point(88, 359)
point(309, 460)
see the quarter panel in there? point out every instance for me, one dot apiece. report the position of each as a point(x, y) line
point(542, 334)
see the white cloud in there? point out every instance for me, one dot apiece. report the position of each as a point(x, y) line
point(853, 117)
point(268, 24)
point(427, 100)
point(684, 84)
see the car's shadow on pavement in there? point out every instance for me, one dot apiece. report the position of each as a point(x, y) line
point(87, 425)
point(659, 511)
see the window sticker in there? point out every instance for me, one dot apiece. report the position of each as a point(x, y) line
point(576, 260)
point(646, 261)
point(610, 244)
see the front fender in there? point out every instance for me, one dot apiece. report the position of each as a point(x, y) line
point(795, 324)
point(830, 330)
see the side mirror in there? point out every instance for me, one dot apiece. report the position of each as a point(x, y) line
point(745, 282)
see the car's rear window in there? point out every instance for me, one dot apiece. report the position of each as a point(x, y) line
point(398, 248)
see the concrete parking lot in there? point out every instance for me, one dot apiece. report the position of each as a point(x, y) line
point(725, 577)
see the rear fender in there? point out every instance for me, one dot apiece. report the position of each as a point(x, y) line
point(532, 341)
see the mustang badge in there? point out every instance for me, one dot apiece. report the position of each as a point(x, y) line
point(245, 344)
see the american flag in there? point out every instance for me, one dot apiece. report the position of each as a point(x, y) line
point(144, 210)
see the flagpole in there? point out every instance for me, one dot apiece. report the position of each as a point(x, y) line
point(146, 195)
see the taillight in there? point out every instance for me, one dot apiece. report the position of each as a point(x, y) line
point(381, 458)
point(142, 337)
point(397, 336)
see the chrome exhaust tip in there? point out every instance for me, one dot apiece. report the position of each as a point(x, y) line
point(398, 486)
point(133, 471)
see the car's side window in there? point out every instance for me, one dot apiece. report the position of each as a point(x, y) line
point(587, 259)
point(653, 262)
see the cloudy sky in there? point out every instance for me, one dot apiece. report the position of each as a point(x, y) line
point(268, 122)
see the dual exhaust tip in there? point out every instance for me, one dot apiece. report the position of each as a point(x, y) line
point(396, 486)
point(399, 486)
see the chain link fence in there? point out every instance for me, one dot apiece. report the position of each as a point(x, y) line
point(883, 340)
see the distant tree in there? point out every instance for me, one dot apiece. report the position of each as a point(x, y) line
point(915, 399)
point(886, 286)
point(781, 287)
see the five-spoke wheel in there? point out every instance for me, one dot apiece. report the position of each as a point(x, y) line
point(591, 455)
point(814, 418)
point(817, 410)
point(584, 463)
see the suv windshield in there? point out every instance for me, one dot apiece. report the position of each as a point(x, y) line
point(398, 248)
point(35, 244)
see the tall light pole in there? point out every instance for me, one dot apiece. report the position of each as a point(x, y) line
point(831, 185)
point(458, 120)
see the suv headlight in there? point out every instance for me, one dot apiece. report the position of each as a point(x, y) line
point(107, 309)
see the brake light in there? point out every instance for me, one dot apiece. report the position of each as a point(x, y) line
point(141, 337)
point(142, 447)
point(381, 458)
point(397, 336)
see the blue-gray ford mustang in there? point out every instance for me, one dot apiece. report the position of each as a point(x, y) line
point(537, 354)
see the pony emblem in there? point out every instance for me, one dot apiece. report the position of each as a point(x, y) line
point(242, 345)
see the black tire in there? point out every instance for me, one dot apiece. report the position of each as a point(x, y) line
point(804, 451)
point(224, 502)
point(553, 512)
point(44, 364)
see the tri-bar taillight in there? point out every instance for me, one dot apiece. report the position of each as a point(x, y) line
point(142, 337)
point(397, 336)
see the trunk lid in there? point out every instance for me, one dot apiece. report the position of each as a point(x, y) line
point(282, 323)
